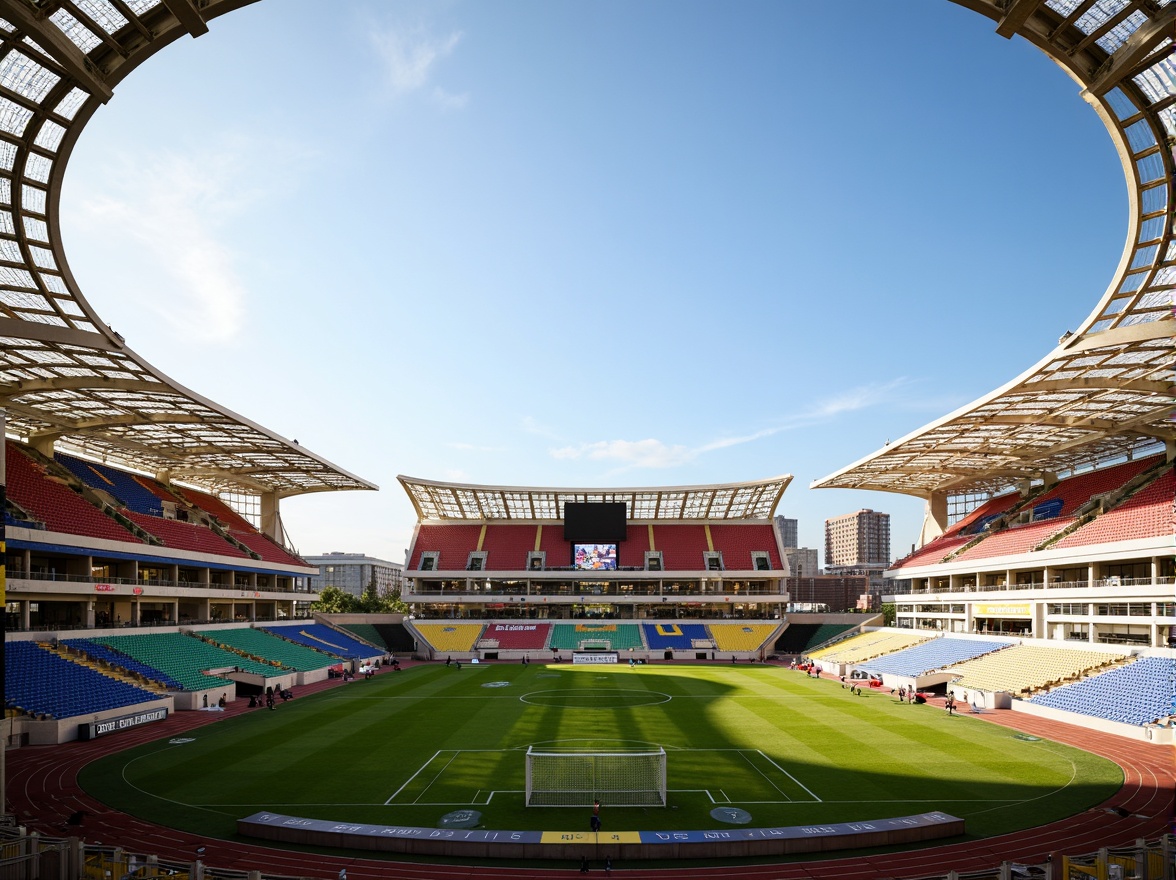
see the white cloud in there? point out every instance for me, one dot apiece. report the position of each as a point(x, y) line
point(652, 453)
point(410, 56)
point(170, 207)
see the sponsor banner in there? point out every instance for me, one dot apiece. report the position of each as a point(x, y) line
point(513, 627)
point(125, 722)
point(594, 657)
point(596, 627)
point(401, 831)
point(476, 835)
point(1002, 609)
point(104, 588)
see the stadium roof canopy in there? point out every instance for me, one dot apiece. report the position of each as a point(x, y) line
point(65, 376)
point(1105, 392)
point(459, 502)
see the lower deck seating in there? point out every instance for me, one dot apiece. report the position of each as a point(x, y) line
point(1024, 669)
point(934, 654)
point(324, 638)
point(800, 638)
point(185, 658)
point(269, 647)
point(1138, 693)
point(618, 636)
point(741, 637)
point(682, 636)
point(521, 636)
point(105, 654)
point(867, 646)
point(450, 637)
point(39, 682)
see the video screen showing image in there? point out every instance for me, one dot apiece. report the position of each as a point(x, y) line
point(594, 557)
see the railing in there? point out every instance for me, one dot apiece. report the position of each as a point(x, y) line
point(59, 577)
point(1099, 583)
point(26, 854)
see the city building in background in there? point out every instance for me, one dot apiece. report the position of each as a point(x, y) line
point(788, 532)
point(859, 543)
point(802, 561)
point(355, 572)
point(831, 593)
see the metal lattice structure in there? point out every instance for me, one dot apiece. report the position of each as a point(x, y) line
point(456, 502)
point(1105, 392)
point(66, 378)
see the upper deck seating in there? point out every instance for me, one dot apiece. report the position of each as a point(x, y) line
point(935, 654)
point(265, 547)
point(674, 635)
point(210, 504)
point(800, 638)
point(682, 546)
point(453, 542)
point(184, 536)
point(741, 636)
point(552, 543)
point(1014, 540)
point(1146, 514)
point(450, 637)
point(507, 547)
point(104, 653)
point(619, 636)
point(1023, 669)
point(867, 646)
point(183, 657)
point(737, 542)
point(631, 552)
point(324, 638)
point(269, 647)
point(1138, 693)
point(120, 484)
point(60, 508)
point(934, 551)
point(521, 636)
point(39, 682)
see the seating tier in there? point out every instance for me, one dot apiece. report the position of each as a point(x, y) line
point(324, 638)
point(1147, 514)
point(40, 682)
point(799, 638)
point(741, 637)
point(867, 646)
point(521, 636)
point(935, 654)
point(120, 484)
point(620, 636)
point(1139, 693)
point(270, 647)
point(454, 543)
point(185, 536)
point(104, 653)
point(682, 546)
point(507, 546)
point(450, 637)
point(184, 657)
point(1023, 669)
point(682, 636)
point(736, 542)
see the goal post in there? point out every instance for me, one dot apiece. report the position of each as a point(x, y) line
point(616, 779)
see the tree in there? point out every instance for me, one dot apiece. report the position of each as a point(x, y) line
point(888, 614)
point(332, 600)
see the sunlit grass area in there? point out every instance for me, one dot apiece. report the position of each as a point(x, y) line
point(407, 748)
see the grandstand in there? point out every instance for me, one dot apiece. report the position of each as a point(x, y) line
point(707, 552)
point(1049, 501)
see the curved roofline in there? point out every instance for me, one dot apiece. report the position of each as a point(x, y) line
point(1105, 391)
point(435, 500)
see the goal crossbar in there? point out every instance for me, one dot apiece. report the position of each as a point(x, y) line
point(614, 778)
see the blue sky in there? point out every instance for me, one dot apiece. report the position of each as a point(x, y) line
point(593, 243)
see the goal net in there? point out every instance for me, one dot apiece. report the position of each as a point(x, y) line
point(616, 779)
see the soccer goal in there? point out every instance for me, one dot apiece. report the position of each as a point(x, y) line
point(616, 779)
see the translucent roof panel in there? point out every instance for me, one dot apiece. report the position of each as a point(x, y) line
point(1105, 392)
point(65, 376)
point(452, 502)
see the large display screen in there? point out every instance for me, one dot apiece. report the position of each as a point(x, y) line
point(595, 521)
point(594, 557)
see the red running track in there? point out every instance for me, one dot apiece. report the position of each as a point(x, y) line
point(43, 790)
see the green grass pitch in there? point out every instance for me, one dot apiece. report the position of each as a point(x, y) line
point(406, 748)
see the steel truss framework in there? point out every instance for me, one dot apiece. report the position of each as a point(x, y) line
point(1105, 392)
point(458, 502)
point(65, 376)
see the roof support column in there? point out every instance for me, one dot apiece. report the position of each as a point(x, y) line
point(271, 518)
point(1170, 451)
point(934, 518)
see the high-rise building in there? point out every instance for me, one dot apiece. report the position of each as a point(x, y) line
point(802, 561)
point(857, 542)
point(355, 572)
point(787, 529)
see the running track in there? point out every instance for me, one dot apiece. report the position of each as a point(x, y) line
point(43, 791)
